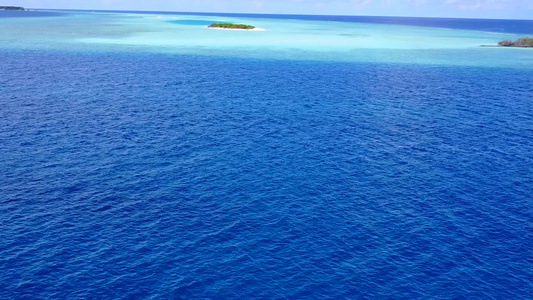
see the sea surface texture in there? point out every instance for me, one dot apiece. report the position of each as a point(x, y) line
point(144, 156)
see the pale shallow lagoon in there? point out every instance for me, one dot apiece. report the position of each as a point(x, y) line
point(284, 39)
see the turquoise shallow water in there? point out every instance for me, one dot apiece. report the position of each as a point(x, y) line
point(285, 39)
point(152, 158)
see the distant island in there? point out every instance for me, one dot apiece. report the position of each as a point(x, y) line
point(525, 43)
point(12, 8)
point(231, 26)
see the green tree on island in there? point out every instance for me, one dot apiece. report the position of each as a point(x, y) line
point(525, 42)
point(11, 8)
point(231, 26)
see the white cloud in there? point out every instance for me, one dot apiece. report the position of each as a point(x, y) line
point(481, 4)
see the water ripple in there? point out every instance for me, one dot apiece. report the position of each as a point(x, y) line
point(136, 176)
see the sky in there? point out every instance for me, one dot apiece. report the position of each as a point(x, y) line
point(498, 9)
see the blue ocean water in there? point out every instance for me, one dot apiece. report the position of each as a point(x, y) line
point(489, 25)
point(28, 14)
point(143, 175)
point(193, 22)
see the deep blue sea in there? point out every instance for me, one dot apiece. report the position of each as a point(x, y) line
point(138, 175)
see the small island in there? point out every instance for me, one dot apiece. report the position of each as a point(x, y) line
point(231, 26)
point(12, 8)
point(524, 43)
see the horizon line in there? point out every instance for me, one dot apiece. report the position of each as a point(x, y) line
point(282, 14)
